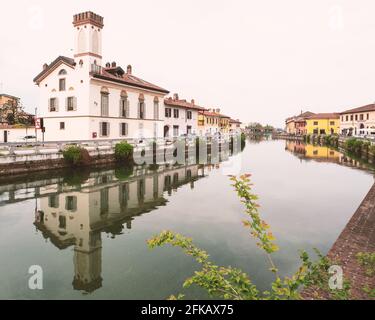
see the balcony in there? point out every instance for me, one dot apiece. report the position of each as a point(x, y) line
point(95, 69)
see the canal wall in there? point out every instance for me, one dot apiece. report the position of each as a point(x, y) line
point(18, 160)
point(358, 236)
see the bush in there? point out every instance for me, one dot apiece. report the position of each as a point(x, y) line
point(76, 156)
point(124, 151)
point(124, 173)
point(354, 145)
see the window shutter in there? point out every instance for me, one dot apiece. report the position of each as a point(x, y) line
point(139, 110)
point(67, 104)
point(75, 103)
point(127, 108)
point(57, 104)
point(120, 108)
point(120, 125)
point(108, 129)
point(126, 129)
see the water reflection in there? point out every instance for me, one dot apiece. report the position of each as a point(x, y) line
point(75, 209)
point(309, 152)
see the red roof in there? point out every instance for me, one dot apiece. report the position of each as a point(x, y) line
point(324, 116)
point(182, 104)
point(61, 59)
point(367, 108)
point(127, 79)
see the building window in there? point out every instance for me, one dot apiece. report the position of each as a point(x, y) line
point(175, 131)
point(62, 72)
point(189, 115)
point(332, 123)
point(356, 117)
point(316, 123)
point(62, 125)
point(123, 129)
point(351, 118)
point(71, 104)
point(361, 117)
point(124, 107)
point(368, 116)
point(53, 105)
point(156, 109)
point(53, 201)
point(104, 105)
point(104, 129)
point(168, 112)
point(347, 118)
point(141, 110)
point(71, 203)
point(176, 113)
point(62, 222)
point(188, 129)
point(62, 84)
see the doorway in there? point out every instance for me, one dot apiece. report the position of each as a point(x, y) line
point(5, 136)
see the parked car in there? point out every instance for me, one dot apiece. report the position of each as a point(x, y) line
point(29, 138)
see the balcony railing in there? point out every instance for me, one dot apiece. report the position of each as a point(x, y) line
point(96, 69)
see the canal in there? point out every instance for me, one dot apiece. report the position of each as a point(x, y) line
point(88, 230)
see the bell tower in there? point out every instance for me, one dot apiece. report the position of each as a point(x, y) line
point(88, 39)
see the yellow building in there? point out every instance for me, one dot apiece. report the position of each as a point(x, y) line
point(321, 152)
point(323, 123)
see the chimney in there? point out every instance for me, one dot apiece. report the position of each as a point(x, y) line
point(45, 66)
point(192, 101)
point(129, 69)
point(107, 65)
point(218, 110)
point(175, 96)
point(113, 64)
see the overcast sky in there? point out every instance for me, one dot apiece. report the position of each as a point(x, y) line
point(257, 60)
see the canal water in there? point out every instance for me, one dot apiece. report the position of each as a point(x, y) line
point(88, 230)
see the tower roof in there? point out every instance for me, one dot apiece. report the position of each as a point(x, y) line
point(88, 17)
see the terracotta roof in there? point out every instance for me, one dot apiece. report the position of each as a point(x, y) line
point(235, 121)
point(182, 103)
point(369, 107)
point(325, 116)
point(9, 96)
point(49, 68)
point(127, 79)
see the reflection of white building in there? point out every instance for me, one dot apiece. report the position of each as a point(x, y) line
point(83, 99)
point(181, 117)
point(76, 216)
point(359, 121)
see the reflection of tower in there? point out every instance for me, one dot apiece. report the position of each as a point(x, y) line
point(88, 264)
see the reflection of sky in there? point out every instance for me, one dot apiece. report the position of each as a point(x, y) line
point(307, 204)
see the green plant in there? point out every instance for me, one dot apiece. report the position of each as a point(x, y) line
point(123, 173)
point(76, 156)
point(124, 152)
point(367, 260)
point(232, 283)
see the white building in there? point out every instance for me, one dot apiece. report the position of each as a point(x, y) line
point(181, 117)
point(82, 99)
point(358, 122)
point(235, 126)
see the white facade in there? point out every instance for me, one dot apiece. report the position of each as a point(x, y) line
point(12, 134)
point(73, 100)
point(358, 123)
point(180, 118)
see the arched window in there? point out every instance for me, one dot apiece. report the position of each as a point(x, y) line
point(124, 104)
point(82, 41)
point(141, 107)
point(156, 108)
point(62, 72)
point(104, 106)
point(95, 42)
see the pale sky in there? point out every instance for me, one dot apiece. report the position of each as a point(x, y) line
point(257, 60)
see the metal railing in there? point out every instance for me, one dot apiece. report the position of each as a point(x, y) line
point(51, 147)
